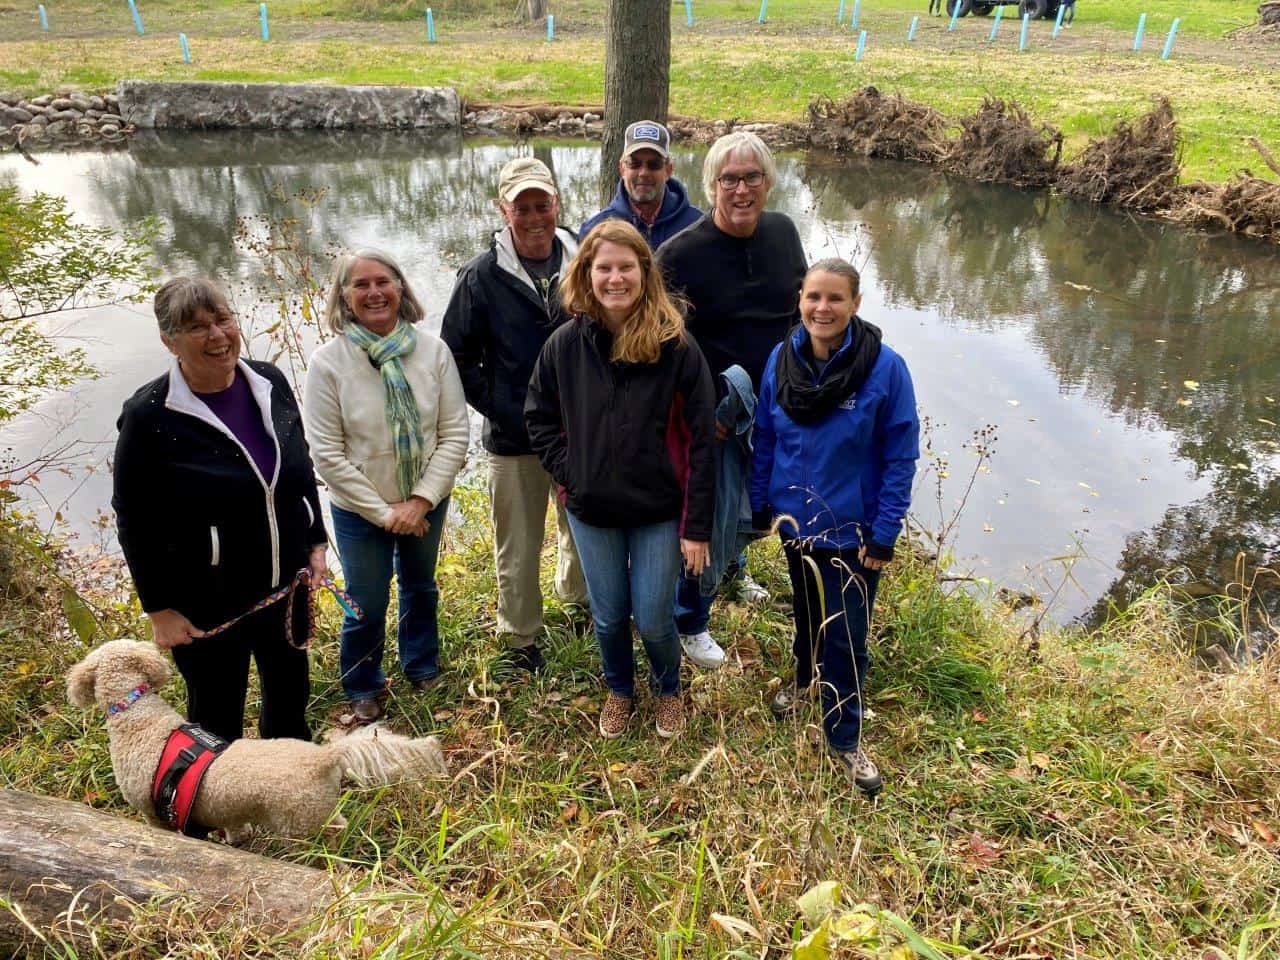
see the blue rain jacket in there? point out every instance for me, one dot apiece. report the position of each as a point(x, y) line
point(848, 477)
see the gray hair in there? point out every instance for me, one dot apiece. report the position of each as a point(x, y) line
point(743, 142)
point(337, 314)
point(179, 300)
point(841, 268)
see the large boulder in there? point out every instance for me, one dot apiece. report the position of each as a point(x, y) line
point(293, 106)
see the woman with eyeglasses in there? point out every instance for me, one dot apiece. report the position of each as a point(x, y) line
point(740, 270)
point(217, 509)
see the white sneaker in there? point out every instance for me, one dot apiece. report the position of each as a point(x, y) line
point(751, 592)
point(702, 649)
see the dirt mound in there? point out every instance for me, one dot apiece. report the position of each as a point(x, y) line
point(1245, 203)
point(1136, 166)
point(1269, 14)
point(873, 125)
point(999, 143)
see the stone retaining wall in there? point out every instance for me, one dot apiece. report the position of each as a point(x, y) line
point(285, 106)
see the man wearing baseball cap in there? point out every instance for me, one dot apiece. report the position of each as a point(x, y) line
point(505, 304)
point(648, 197)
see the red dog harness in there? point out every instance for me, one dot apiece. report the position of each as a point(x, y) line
point(183, 763)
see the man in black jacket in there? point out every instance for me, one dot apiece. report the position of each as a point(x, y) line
point(740, 268)
point(504, 306)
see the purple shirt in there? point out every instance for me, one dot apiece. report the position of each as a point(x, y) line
point(239, 411)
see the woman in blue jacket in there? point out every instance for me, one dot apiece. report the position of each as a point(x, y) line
point(835, 446)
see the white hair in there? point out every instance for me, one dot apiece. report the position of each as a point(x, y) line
point(739, 142)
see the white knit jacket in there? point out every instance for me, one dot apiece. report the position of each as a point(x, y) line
point(345, 416)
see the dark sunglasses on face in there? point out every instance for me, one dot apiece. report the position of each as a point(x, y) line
point(654, 163)
point(730, 181)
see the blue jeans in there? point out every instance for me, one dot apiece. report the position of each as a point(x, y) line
point(831, 641)
point(631, 572)
point(693, 610)
point(368, 555)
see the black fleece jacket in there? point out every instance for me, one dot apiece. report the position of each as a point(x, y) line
point(202, 533)
point(743, 294)
point(629, 444)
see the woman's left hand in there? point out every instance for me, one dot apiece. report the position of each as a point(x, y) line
point(318, 562)
point(871, 563)
point(697, 554)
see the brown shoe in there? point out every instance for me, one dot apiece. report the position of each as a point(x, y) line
point(614, 715)
point(670, 719)
point(367, 710)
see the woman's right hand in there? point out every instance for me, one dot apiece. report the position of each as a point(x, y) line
point(172, 629)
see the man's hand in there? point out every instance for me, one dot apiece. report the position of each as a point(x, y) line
point(407, 517)
point(171, 629)
point(697, 554)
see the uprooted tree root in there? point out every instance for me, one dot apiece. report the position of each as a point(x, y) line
point(1136, 166)
point(999, 143)
point(1245, 203)
point(874, 125)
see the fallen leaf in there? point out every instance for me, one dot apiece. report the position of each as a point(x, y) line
point(988, 528)
point(1191, 384)
point(1013, 403)
point(1040, 761)
point(980, 717)
point(981, 851)
point(1264, 832)
point(570, 812)
point(1184, 402)
point(1036, 482)
point(1081, 483)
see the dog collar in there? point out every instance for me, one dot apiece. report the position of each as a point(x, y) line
point(132, 697)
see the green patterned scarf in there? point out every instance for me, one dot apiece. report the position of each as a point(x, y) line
point(403, 416)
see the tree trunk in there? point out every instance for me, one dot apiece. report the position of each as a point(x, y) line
point(637, 71)
point(56, 854)
point(535, 10)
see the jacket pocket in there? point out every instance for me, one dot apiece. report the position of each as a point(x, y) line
point(215, 547)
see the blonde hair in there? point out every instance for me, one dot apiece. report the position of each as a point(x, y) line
point(744, 143)
point(337, 314)
point(655, 318)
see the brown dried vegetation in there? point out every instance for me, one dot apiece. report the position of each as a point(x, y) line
point(874, 125)
point(999, 143)
point(1135, 166)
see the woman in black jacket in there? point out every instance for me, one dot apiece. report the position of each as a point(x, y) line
point(217, 508)
point(620, 413)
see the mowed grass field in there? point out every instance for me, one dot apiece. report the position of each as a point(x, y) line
point(1224, 88)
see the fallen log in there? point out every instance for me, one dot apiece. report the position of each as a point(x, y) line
point(65, 867)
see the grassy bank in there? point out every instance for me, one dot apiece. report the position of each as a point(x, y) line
point(727, 66)
point(1076, 795)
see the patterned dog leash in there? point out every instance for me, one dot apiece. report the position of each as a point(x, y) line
point(300, 579)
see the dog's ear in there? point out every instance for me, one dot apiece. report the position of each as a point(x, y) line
point(154, 667)
point(81, 679)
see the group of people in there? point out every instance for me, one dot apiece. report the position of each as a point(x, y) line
point(675, 383)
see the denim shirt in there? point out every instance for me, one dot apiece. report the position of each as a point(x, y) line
point(732, 528)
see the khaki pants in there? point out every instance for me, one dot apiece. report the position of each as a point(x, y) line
point(518, 490)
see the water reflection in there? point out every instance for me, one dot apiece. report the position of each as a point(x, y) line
point(1133, 368)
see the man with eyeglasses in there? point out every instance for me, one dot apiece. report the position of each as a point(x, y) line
point(740, 269)
point(648, 197)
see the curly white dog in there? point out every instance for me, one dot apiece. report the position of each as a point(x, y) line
point(289, 787)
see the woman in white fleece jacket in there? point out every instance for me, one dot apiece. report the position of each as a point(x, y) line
point(387, 420)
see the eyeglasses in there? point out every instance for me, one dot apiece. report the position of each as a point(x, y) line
point(730, 181)
point(654, 163)
point(201, 331)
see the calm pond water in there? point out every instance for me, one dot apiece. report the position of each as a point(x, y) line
point(1132, 369)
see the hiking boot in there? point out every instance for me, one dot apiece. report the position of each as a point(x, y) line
point(788, 701)
point(702, 649)
point(366, 709)
point(751, 592)
point(528, 659)
point(423, 684)
point(860, 769)
point(670, 719)
point(614, 715)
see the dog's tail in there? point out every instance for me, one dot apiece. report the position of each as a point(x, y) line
point(372, 757)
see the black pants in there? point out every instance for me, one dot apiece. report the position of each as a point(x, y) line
point(834, 595)
point(217, 673)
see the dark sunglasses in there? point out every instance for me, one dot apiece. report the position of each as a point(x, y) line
point(655, 164)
